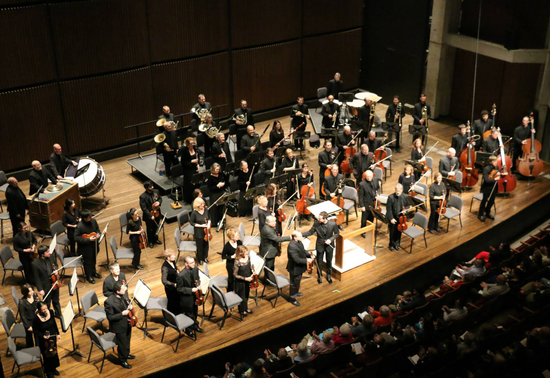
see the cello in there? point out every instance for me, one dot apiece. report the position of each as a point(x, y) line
point(442, 206)
point(487, 133)
point(506, 182)
point(349, 153)
point(339, 201)
point(306, 191)
point(470, 175)
point(402, 220)
point(530, 164)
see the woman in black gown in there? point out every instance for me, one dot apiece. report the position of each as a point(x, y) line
point(437, 193)
point(28, 305)
point(277, 134)
point(289, 163)
point(190, 162)
point(70, 221)
point(407, 178)
point(273, 203)
point(46, 331)
point(228, 253)
point(243, 178)
point(169, 273)
point(242, 270)
point(199, 219)
point(134, 229)
point(263, 211)
point(417, 155)
point(216, 184)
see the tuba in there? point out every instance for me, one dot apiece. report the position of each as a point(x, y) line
point(240, 118)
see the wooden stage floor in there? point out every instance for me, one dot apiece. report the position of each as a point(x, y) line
point(123, 190)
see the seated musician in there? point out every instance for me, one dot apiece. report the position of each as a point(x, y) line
point(169, 148)
point(221, 152)
point(201, 104)
point(448, 165)
point(373, 142)
point(437, 193)
point(482, 125)
point(394, 113)
point(299, 114)
point(332, 181)
point(342, 141)
point(268, 165)
point(460, 140)
point(59, 163)
point(361, 162)
point(277, 134)
point(335, 86)
point(241, 113)
point(39, 177)
point(490, 144)
point(417, 154)
point(367, 197)
point(305, 178)
point(420, 118)
point(250, 142)
point(330, 113)
point(166, 114)
point(208, 140)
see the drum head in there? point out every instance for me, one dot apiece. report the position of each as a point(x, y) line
point(90, 177)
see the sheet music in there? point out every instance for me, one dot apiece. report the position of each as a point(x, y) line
point(257, 261)
point(103, 233)
point(142, 293)
point(73, 282)
point(306, 242)
point(205, 281)
point(53, 244)
point(68, 316)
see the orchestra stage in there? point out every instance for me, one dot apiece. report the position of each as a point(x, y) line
point(326, 304)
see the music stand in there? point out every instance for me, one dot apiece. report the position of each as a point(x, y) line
point(251, 193)
point(74, 289)
point(392, 127)
point(417, 201)
point(329, 133)
point(278, 180)
point(230, 167)
point(142, 293)
point(279, 152)
point(161, 227)
point(378, 216)
point(293, 172)
point(482, 158)
point(419, 130)
point(66, 323)
point(255, 157)
point(301, 136)
point(198, 178)
point(451, 185)
point(222, 201)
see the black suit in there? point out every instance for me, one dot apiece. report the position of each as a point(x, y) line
point(342, 140)
point(198, 107)
point(334, 88)
point(217, 150)
point(325, 159)
point(17, 206)
point(367, 196)
point(185, 282)
point(417, 115)
point(109, 284)
point(390, 117)
point(119, 324)
point(394, 206)
point(269, 245)
point(521, 133)
point(491, 145)
point(445, 165)
point(58, 164)
point(297, 264)
point(360, 164)
point(326, 231)
point(20, 243)
point(170, 157)
point(330, 109)
point(146, 201)
point(480, 127)
point(373, 144)
point(248, 141)
point(459, 142)
point(87, 248)
point(249, 117)
point(42, 270)
point(40, 178)
point(331, 184)
point(297, 121)
point(489, 194)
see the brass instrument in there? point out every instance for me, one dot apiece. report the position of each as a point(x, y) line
point(334, 116)
point(159, 138)
point(372, 114)
point(296, 111)
point(202, 113)
point(398, 115)
point(212, 131)
point(425, 116)
point(240, 118)
point(161, 122)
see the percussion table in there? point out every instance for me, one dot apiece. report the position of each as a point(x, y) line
point(47, 208)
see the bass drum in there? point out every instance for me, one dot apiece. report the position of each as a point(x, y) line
point(90, 177)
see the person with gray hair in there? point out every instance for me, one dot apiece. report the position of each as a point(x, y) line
point(303, 353)
point(39, 178)
point(221, 152)
point(269, 242)
point(322, 346)
point(186, 287)
point(298, 259)
point(394, 208)
point(109, 282)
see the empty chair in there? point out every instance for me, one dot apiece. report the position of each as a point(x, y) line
point(418, 228)
point(422, 192)
point(219, 281)
point(103, 342)
point(10, 263)
point(479, 197)
point(24, 356)
point(69, 262)
point(278, 281)
point(349, 195)
point(4, 217)
point(224, 301)
point(154, 303)
point(388, 163)
point(250, 241)
point(16, 299)
point(430, 165)
point(184, 246)
point(179, 323)
point(120, 253)
point(123, 220)
point(255, 221)
point(378, 176)
point(13, 330)
point(58, 229)
point(97, 313)
point(176, 175)
point(183, 223)
point(458, 176)
point(454, 209)
point(321, 96)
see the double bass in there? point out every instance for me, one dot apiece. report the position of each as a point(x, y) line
point(487, 133)
point(306, 191)
point(530, 164)
point(348, 153)
point(507, 182)
point(470, 175)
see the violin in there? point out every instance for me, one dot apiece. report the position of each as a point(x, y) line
point(306, 191)
point(402, 221)
point(530, 165)
point(91, 235)
point(310, 264)
point(199, 296)
point(207, 231)
point(470, 175)
point(50, 346)
point(132, 317)
point(442, 206)
point(155, 211)
point(281, 216)
point(56, 278)
point(255, 283)
point(412, 191)
point(142, 239)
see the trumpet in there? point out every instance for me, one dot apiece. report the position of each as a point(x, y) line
point(372, 114)
point(240, 118)
point(398, 115)
point(296, 111)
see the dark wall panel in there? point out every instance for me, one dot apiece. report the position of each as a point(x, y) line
point(319, 66)
point(178, 84)
point(25, 41)
point(93, 37)
point(17, 2)
point(43, 126)
point(97, 109)
point(180, 29)
point(255, 22)
point(323, 16)
point(267, 77)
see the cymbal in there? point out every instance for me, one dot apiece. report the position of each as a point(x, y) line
point(356, 103)
point(161, 122)
point(371, 96)
point(159, 138)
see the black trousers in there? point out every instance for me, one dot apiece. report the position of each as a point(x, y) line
point(270, 263)
point(488, 201)
point(230, 276)
point(321, 181)
point(202, 249)
point(295, 280)
point(170, 159)
point(193, 313)
point(136, 250)
point(324, 250)
point(173, 300)
point(72, 244)
point(395, 235)
point(433, 222)
point(151, 228)
point(517, 153)
point(242, 289)
point(123, 342)
point(391, 137)
point(26, 260)
point(366, 216)
point(15, 220)
point(29, 336)
point(89, 262)
point(54, 297)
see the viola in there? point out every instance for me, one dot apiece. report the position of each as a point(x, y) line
point(155, 211)
point(207, 231)
point(306, 191)
point(199, 296)
point(310, 265)
point(132, 317)
point(470, 175)
point(255, 283)
point(506, 182)
point(442, 206)
point(402, 221)
point(56, 279)
point(530, 165)
point(50, 346)
point(91, 235)
point(281, 216)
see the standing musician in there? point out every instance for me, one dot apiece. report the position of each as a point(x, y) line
point(364, 113)
point(201, 104)
point(208, 140)
point(118, 309)
point(277, 134)
point(135, 230)
point(361, 162)
point(200, 220)
point(395, 205)
point(490, 144)
point(169, 117)
point(305, 178)
point(47, 336)
point(228, 254)
point(332, 181)
point(263, 211)
point(448, 165)
point(269, 242)
point(521, 134)
point(189, 158)
point(147, 201)
point(268, 166)
point(88, 246)
point(299, 114)
point(437, 193)
point(298, 259)
point(243, 110)
point(367, 197)
point(289, 163)
point(187, 281)
point(242, 271)
point(245, 183)
point(329, 111)
point(393, 114)
point(373, 142)
point(460, 140)
point(27, 309)
point(43, 269)
point(483, 124)
point(342, 141)
point(39, 177)
point(273, 202)
point(70, 219)
point(24, 242)
point(335, 86)
point(327, 232)
point(325, 159)
point(169, 273)
point(417, 155)
point(217, 184)
point(58, 162)
point(221, 152)
point(17, 203)
point(169, 147)
point(109, 282)
point(418, 116)
point(489, 190)
point(250, 142)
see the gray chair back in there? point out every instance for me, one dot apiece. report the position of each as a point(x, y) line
point(5, 255)
point(3, 178)
point(88, 300)
point(421, 188)
point(219, 297)
point(13, 349)
point(255, 210)
point(389, 152)
point(458, 176)
point(15, 296)
point(8, 320)
point(456, 202)
point(123, 220)
point(420, 220)
point(170, 319)
point(183, 218)
point(114, 247)
point(177, 236)
point(57, 228)
point(378, 175)
point(205, 269)
point(241, 231)
point(60, 255)
point(270, 277)
point(349, 193)
point(430, 162)
point(322, 92)
point(95, 338)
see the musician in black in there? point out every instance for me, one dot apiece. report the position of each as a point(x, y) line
point(521, 134)
point(482, 125)
point(189, 157)
point(149, 200)
point(342, 141)
point(298, 259)
point(200, 220)
point(109, 282)
point(327, 232)
point(168, 148)
point(135, 230)
point(217, 184)
point(364, 114)
point(269, 242)
point(24, 242)
point(277, 134)
point(460, 140)
point(299, 114)
point(490, 144)
point(88, 247)
point(221, 152)
point(243, 274)
point(361, 162)
point(373, 142)
point(367, 197)
point(169, 274)
point(326, 160)
point(250, 142)
point(448, 165)
point(39, 177)
point(268, 165)
point(17, 203)
point(437, 193)
point(263, 211)
point(243, 110)
point(418, 116)
point(186, 283)
point(118, 309)
point(274, 200)
point(335, 86)
point(201, 104)
point(43, 268)
point(330, 113)
point(289, 163)
point(245, 183)
point(489, 189)
point(397, 202)
point(166, 114)
point(59, 163)
point(305, 177)
point(70, 219)
point(332, 182)
point(45, 330)
point(417, 155)
point(395, 112)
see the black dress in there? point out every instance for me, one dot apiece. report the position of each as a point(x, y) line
point(216, 211)
point(39, 328)
point(71, 219)
point(406, 181)
point(28, 313)
point(228, 251)
point(20, 243)
point(435, 191)
point(189, 169)
point(275, 137)
point(134, 239)
point(242, 287)
point(169, 275)
point(245, 206)
point(202, 245)
point(416, 156)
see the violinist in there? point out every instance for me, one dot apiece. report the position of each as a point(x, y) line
point(273, 203)
point(373, 142)
point(490, 144)
point(70, 220)
point(263, 211)
point(342, 142)
point(417, 155)
point(367, 197)
point(88, 247)
point(117, 309)
point(186, 286)
point(245, 183)
point(394, 208)
point(299, 113)
point(109, 282)
point(491, 175)
point(332, 182)
point(290, 162)
point(242, 271)
point(27, 309)
point(269, 242)
point(437, 193)
point(362, 161)
point(327, 232)
point(149, 201)
point(407, 178)
point(189, 158)
point(135, 230)
point(47, 336)
point(521, 134)
point(460, 140)
point(298, 259)
point(482, 124)
point(43, 269)
point(217, 183)
point(200, 220)
point(228, 254)
point(277, 134)
point(325, 159)
point(448, 165)
point(169, 273)
point(394, 113)
point(24, 242)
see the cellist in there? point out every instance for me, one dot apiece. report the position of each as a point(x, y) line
point(361, 162)
point(490, 144)
point(394, 207)
point(332, 182)
point(437, 193)
point(521, 134)
point(305, 181)
point(367, 197)
point(325, 159)
point(488, 189)
point(373, 142)
point(342, 142)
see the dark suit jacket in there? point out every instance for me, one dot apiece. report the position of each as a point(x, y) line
point(367, 192)
point(445, 165)
point(297, 258)
point(109, 284)
point(218, 149)
point(40, 178)
point(490, 145)
point(334, 88)
point(42, 270)
point(249, 117)
point(269, 242)
point(85, 245)
point(185, 282)
point(146, 201)
point(58, 164)
point(361, 163)
point(331, 183)
point(373, 144)
point(198, 106)
point(248, 141)
point(329, 108)
point(480, 127)
point(459, 142)
point(114, 306)
point(324, 232)
point(392, 110)
point(417, 115)
point(326, 158)
point(17, 202)
point(395, 205)
point(296, 120)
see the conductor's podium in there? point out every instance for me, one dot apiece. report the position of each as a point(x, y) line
point(349, 255)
